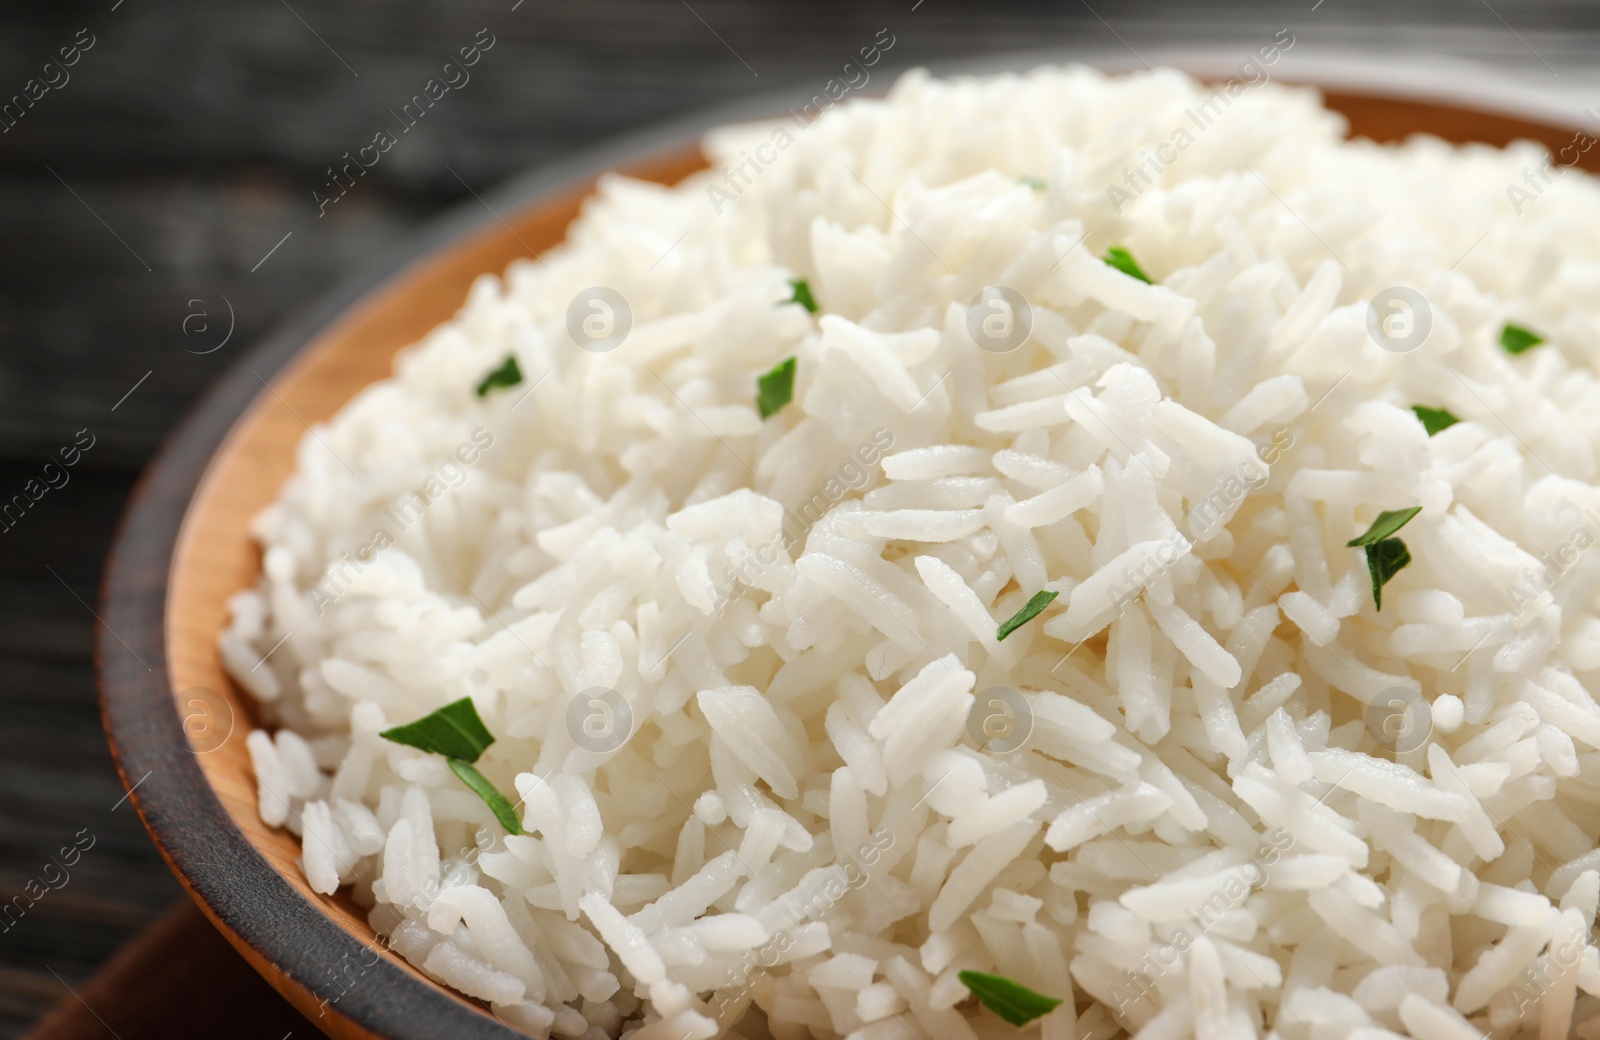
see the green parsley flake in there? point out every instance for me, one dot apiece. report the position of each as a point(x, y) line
point(776, 388)
point(1434, 419)
point(498, 803)
point(1516, 339)
point(802, 294)
point(508, 374)
point(1386, 554)
point(1385, 559)
point(1029, 611)
point(1036, 183)
point(1388, 523)
point(456, 732)
point(1123, 261)
point(1011, 1000)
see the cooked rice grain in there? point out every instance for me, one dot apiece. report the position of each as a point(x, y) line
point(774, 763)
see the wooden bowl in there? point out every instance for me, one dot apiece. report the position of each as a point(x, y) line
point(177, 723)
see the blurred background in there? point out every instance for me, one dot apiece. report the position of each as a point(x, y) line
point(159, 168)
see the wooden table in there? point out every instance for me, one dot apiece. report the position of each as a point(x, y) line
point(162, 191)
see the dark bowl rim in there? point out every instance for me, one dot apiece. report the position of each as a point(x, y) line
point(233, 883)
point(243, 894)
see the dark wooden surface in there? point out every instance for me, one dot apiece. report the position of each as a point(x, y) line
point(176, 978)
point(187, 143)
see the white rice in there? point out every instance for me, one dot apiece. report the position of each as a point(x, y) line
point(778, 774)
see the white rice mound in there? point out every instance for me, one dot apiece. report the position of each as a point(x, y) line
point(800, 836)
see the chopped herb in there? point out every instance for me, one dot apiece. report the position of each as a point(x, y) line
point(1389, 521)
point(508, 374)
point(776, 388)
point(1012, 1001)
point(456, 732)
point(498, 803)
point(1385, 558)
point(802, 294)
point(1036, 183)
point(1029, 611)
point(1386, 554)
point(1434, 419)
point(1123, 261)
point(1516, 339)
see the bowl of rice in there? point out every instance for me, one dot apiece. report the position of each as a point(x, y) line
point(1056, 552)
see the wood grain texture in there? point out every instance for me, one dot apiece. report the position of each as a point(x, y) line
point(178, 978)
point(212, 557)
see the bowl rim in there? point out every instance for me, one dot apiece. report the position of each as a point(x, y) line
point(245, 897)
